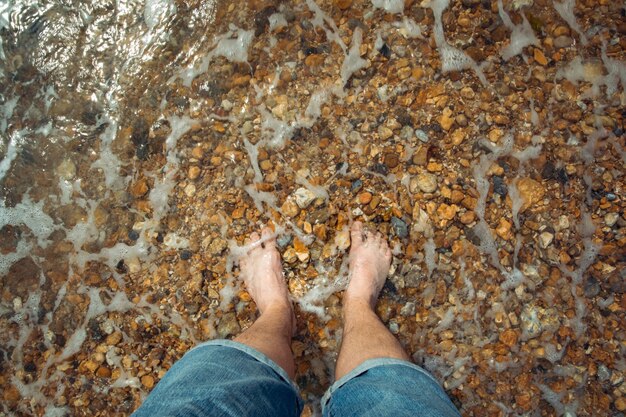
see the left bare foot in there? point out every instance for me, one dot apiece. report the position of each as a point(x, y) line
point(262, 273)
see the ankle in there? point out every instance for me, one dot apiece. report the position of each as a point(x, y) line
point(358, 303)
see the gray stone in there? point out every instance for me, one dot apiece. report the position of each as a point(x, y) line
point(562, 41)
point(421, 135)
point(400, 227)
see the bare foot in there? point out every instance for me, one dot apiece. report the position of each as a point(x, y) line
point(262, 273)
point(370, 258)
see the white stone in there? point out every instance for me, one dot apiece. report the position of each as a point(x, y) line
point(611, 218)
point(304, 197)
point(190, 190)
point(545, 239)
point(426, 182)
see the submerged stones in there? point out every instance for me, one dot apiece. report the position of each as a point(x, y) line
point(502, 201)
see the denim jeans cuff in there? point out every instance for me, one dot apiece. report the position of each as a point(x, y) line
point(252, 352)
point(364, 367)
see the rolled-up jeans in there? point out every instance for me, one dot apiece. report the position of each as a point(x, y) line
point(222, 378)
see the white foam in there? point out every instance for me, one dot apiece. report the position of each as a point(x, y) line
point(522, 35)
point(445, 321)
point(566, 10)
point(452, 59)
point(160, 192)
point(409, 29)
point(6, 111)
point(326, 23)
point(108, 162)
point(235, 49)
point(15, 141)
point(591, 72)
point(31, 215)
point(390, 6)
point(429, 256)
point(353, 61)
point(158, 11)
point(277, 21)
point(275, 132)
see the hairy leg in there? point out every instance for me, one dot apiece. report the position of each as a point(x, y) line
point(271, 333)
point(364, 335)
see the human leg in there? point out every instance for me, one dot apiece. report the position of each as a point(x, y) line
point(364, 335)
point(374, 376)
point(249, 376)
point(271, 333)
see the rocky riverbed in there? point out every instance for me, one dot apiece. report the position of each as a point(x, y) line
point(141, 142)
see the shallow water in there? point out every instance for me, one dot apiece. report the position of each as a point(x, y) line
point(140, 142)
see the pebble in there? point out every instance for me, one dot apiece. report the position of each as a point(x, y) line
point(563, 42)
point(406, 133)
point(147, 381)
point(284, 240)
point(66, 170)
point(384, 132)
point(290, 208)
point(447, 120)
point(408, 309)
point(217, 246)
point(421, 135)
point(530, 191)
point(425, 181)
point(400, 227)
point(508, 337)
point(611, 218)
point(540, 57)
point(365, 197)
point(342, 239)
point(499, 186)
point(290, 255)
point(190, 190)
point(356, 186)
point(304, 197)
point(545, 239)
point(343, 4)
point(228, 326)
point(139, 188)
point(446, 211)
point(194, 172)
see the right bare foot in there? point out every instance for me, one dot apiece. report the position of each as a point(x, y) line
point(370, 258)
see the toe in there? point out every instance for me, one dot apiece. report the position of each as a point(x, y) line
point(254, 237)
point(266, 233)
point(356, 233)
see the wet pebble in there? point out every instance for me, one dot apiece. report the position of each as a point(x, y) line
point(228, 326)
point(304, 197)
point(400, 227)
point(284, 240)
point(611, 218)
point(421, 135)
point(356, 186)
point(425, 182)
point(562, 42)
point(499, 186)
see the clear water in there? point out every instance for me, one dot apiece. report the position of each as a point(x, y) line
point(141, 141)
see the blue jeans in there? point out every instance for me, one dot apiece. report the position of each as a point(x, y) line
point(222, 378)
